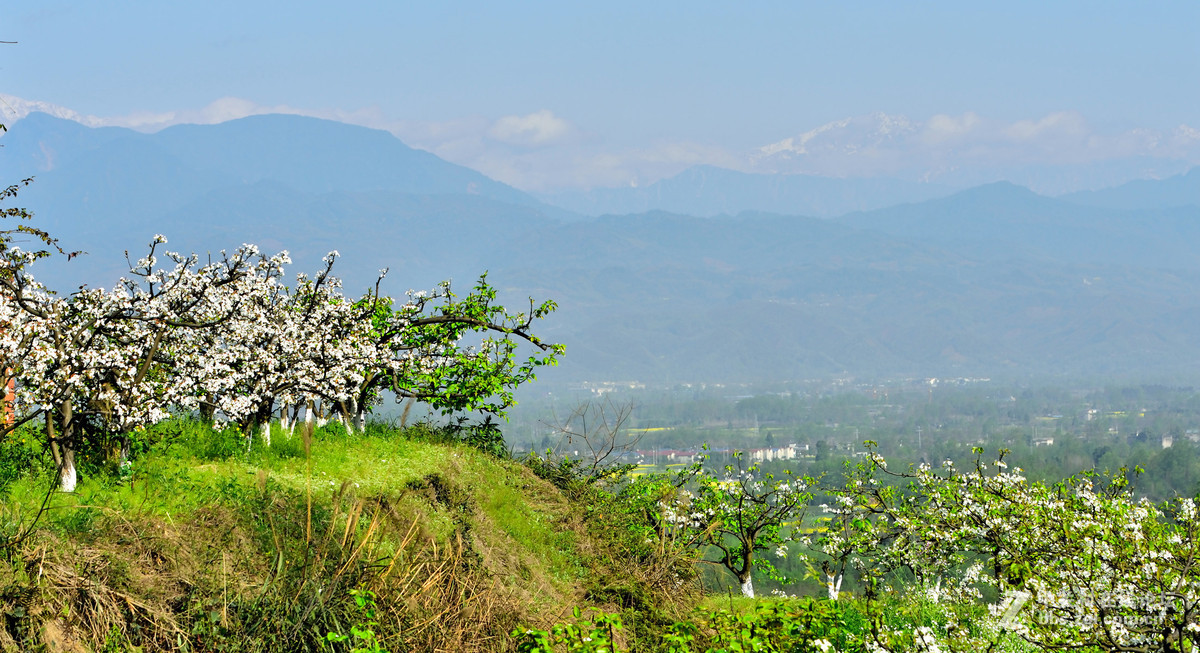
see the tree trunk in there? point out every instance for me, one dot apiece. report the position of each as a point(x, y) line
point(834, 585)
point(208, 409)
point(322, 418)
point(407, 407)
point(52, 439)
point(748, 586)
point(265, 414)
point(746, 573)
point(348, 409)
point(123, 464)
point(68, 476)
point(360, 420)
point(309, 416)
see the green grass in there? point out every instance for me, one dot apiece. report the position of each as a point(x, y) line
point(232, 542)
point(537, 527)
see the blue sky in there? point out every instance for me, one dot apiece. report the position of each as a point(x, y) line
point(561, 95)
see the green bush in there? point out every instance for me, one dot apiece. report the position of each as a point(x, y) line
point(20, 455)
point(484, 436)
point(208, 443)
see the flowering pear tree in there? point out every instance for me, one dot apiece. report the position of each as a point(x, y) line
point(104, 359)
point(244, 357)
point(750, 511)
point(228, 335)
point(1078, 564)
point(741, 514)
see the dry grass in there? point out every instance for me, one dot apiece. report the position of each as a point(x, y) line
point(256, 560)
point(442, 583)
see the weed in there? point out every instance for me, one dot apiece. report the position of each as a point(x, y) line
point(20, 455)
point(362, 633)
point(594, 635)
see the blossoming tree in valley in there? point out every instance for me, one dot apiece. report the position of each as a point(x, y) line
point(1077, 564)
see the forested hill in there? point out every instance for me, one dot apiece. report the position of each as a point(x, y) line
point(993, 281)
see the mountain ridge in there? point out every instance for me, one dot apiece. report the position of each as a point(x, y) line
point(708, 191)
point(990, 281)
point(1170, 192)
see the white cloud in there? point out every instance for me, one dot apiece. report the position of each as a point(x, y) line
point(1060, 125)
point(943, 128)
point(1185, 135)
point(535, 129)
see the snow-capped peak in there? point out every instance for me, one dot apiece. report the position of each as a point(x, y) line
point(845, 135)
point(13, 108)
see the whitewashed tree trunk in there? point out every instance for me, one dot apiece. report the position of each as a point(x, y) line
point(265, 429)
point(358, 415)
point(283, 418)
point(349, 412)
point(125, 465)
point(309, 417)
point(834, 585)
point(69, 477)
point(748, 587)
point(322, 416)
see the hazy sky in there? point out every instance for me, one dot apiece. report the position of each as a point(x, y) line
point(550, 95)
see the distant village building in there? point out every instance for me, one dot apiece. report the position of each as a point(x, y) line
point(767, 454)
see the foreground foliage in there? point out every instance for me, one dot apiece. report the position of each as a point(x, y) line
point(418, 540)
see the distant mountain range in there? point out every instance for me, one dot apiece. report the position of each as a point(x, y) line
point(708, 191)
point(266, 179)
point(990, 281)
point(1179, 190)
point(969, 150)
point(1004, 222)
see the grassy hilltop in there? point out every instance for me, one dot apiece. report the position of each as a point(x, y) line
point(206, 546)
